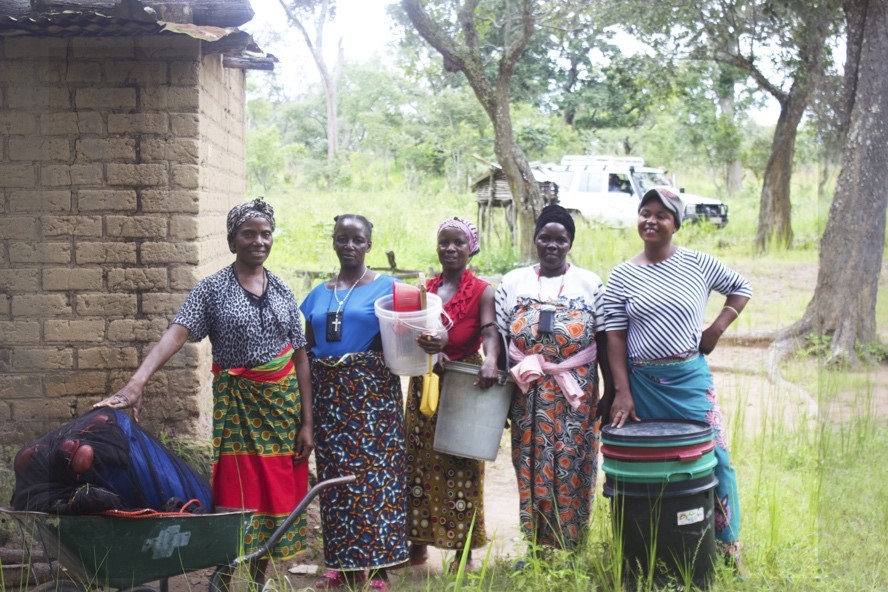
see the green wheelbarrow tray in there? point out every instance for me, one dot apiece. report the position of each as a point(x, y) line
point(102, 551)
point(123, 552)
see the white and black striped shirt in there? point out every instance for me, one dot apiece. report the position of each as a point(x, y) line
point(661, 306)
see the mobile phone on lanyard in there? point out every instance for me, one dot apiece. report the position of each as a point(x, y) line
point(547, 319)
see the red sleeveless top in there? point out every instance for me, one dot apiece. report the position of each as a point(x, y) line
point(464, 309)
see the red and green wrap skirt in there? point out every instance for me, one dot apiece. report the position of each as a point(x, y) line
point(257, 413)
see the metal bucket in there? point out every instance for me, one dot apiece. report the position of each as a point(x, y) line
point(471, 419)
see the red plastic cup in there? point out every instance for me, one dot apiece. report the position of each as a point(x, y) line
point(405, 298)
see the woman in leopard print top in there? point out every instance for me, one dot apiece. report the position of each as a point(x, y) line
point(262, 410)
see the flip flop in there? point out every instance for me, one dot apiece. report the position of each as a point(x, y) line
point(335, 580)
point(378, 585)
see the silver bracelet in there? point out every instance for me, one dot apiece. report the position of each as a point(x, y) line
point(732, 309)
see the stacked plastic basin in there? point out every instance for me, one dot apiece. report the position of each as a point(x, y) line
point(660, 478)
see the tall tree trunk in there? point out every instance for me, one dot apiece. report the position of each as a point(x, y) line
point(813, 21)
point(525, 190)
point(462, 54)
point(329, 80)
point(733, 168)
point(775, 207)
point(844, 301)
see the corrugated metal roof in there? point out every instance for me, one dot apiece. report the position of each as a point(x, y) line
point(77, 24)
point(229, 41)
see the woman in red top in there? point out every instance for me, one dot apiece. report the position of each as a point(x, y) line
point(446, 493)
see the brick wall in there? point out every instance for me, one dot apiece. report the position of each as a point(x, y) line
point(119, 158)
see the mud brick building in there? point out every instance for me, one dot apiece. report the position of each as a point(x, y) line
point(122, 139)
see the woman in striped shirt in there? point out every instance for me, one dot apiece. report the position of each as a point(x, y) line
point(653, 306)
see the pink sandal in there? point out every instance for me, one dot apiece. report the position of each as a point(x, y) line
point(378, 585)
point(335, 580)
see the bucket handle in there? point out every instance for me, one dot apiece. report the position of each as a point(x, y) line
point(503, 374)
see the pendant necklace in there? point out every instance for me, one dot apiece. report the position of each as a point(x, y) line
point(334, 318)
point(540, 285)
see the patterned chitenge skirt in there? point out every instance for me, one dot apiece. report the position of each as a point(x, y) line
point(445, 492)
point(359, 430)
point(256, 415)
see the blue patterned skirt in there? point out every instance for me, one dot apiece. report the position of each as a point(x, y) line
point(359, 430)
point(684, 390)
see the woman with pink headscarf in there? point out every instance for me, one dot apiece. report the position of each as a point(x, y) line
point(446, 493)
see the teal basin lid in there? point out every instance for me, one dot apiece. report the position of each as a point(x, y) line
point(660, 471)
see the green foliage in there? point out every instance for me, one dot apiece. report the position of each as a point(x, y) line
point(874, 351)
point(198, 454)
point(816, 346)
point(622, 92)
point(266, 157)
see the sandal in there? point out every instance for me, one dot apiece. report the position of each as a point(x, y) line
point(377, 584)
point(335, 580)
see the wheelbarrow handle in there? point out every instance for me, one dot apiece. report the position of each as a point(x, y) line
point(273, 539)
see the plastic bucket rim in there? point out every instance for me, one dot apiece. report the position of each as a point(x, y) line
point(433, 305)
point(706, 433)
point(669, 470)
point(688, 488)
point(666, 453)
point(472, 369)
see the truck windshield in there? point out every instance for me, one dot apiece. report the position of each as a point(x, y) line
point(648, 179)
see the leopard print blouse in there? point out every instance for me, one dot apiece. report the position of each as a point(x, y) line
point(245, 331)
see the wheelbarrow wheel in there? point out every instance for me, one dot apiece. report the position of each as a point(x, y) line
point(63, 586)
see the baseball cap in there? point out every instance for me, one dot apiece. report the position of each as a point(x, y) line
point(668, 198)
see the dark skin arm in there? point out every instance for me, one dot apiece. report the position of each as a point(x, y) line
point(305, 438)
point(712, 333)
point(309, 336)
point(434, 342)
point(130, 395)
point(490, 339)
point(623, 407)
point(607, 398)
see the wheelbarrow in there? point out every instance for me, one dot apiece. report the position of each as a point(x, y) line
point(125, 552)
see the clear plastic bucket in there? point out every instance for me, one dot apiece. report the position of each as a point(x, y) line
point(399, 331)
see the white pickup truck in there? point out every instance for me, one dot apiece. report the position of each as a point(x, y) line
point(607, 189)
